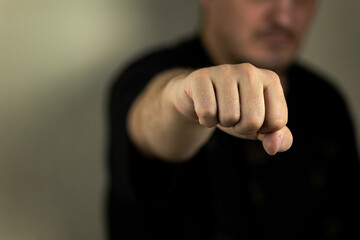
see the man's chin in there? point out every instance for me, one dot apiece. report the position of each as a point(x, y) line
point(277, 64)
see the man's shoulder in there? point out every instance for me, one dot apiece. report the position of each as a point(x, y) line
point(315, 90)
point(177, 54)
point(313, 80)
point(132, 77)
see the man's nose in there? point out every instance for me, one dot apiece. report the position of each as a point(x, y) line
point(283, 12)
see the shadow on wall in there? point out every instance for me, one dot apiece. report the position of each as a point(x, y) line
point(333, 47)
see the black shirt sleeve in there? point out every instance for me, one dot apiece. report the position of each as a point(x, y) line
point(139, 187)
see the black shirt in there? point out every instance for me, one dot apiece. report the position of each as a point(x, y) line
point(232, 189)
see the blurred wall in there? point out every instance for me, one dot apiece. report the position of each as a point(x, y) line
point(333, 48)
point(56, 62)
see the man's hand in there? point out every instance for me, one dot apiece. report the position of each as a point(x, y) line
point(241, 100)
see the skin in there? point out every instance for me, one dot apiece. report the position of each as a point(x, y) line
point(266, 33)
point(180, 109)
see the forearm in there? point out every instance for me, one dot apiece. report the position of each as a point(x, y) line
point(158, 129)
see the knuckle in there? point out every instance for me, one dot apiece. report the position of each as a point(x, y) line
point(199, 75)
point(225, 67)
point(278, 123)
point(249, 73)
point(274, 124)
point(273, 77)
point(200, 71)
point(229, 120)
point(224, 74)
point(206, 113)
point(252, 124)
point(248, 67)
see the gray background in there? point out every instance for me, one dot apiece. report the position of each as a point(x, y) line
point(56, 60)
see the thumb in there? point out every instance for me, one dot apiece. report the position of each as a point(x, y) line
point(278, 141)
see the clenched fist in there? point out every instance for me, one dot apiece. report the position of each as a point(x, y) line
point(242, 100)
